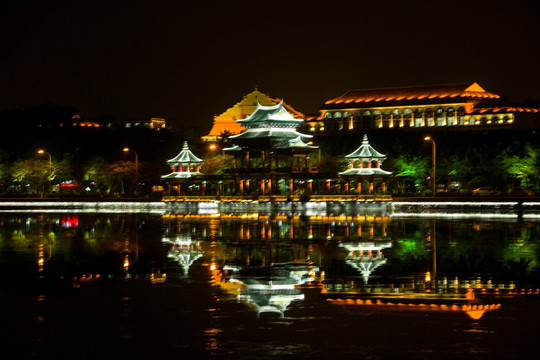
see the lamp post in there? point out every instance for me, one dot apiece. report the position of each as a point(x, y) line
point(41, 151)
point(434, 160)
point(126, 149)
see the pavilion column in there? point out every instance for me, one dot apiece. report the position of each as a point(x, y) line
point(310, 187)
point(248, 188)
point(262, 187)
point(242, 187)
point(347, 188)
point(269, 188)
point(291, 187)
point(328, 186)
point(359, 187)
point(179, 189)
point(371, 187)
point(203, 188)
point(247, 159)
point(383, 187)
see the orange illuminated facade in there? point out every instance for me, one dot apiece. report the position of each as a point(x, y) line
point(462, 106)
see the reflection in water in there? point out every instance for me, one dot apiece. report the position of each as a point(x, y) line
point(365, 257)
point(206, 276)
point(184, 251)
point(268, 289)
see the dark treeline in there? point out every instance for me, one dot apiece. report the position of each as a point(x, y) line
point(78, 153)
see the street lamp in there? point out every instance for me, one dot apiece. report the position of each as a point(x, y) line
point(434, 160)
point(126, 149)
point(41, 151)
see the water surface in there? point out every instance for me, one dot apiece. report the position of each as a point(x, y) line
point(252, 286)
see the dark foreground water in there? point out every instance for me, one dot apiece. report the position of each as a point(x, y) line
point(265, 287)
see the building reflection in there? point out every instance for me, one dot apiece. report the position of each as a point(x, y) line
point(183, 251)
point(266, 289)
point(365, 257)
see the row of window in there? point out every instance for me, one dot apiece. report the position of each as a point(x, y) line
point(441, 112)
point(404, 121)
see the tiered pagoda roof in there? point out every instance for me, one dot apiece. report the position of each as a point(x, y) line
point(227, 121)
point(185, 156)
point(365, 153)
point(273, 124)
point(182, 164)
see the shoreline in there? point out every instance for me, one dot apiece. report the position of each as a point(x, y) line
point(515, 208)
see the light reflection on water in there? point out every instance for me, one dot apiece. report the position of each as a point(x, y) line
point(259, 286)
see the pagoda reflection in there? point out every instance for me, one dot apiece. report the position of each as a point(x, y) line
point(267, 289)
point(365, 257)
point(183, 251)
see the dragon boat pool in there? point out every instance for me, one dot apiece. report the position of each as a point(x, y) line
point(269, 285)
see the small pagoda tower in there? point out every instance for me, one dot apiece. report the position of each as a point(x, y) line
point(184, 165)
point(365, 163)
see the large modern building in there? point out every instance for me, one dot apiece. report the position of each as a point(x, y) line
point(451, 106)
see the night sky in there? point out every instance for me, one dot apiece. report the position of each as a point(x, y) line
point(189, 60)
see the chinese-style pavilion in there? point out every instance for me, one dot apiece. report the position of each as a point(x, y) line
point(270, 150)
point(184, 166)
point(365, 163)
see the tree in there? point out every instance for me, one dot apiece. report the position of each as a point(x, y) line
point(525, 168)
point(33, 172)
point(216, 165)
point(413, 169)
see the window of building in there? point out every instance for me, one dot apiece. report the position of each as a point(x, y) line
point(439, 117)
point(428, 117)
point(377, 117)
point(461, 116)
point(450, 116)
point(418, 118)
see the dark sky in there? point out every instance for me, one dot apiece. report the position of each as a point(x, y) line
point(189, 60)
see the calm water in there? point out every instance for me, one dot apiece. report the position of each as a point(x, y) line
point(253, 286)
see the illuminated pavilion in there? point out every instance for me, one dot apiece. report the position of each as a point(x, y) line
point(365, 163)
point(464, 106)
point(270, 151)
point(184, 166)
